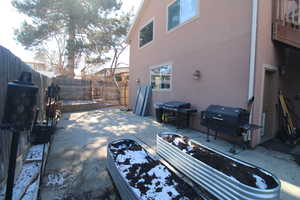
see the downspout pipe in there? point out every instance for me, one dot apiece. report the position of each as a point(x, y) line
point(252, 63)
point(253, 48)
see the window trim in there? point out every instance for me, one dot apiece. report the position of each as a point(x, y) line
point(139, 33)
point(184, 23)
point(171, 78)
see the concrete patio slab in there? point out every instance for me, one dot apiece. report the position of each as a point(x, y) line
point(76, 167)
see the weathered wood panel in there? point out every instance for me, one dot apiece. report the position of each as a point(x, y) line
point(10, 69)
point(124, 94)
point(287, 34)
point(74, 89)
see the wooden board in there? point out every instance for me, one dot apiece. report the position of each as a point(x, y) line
point(287, 35)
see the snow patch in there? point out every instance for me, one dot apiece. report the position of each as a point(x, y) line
point(234, 164)
point(135, 157)
point(178, 140)
point(35, 153)
point(29, 173)
point(158, 188)
point(55, 179)
point(260, 183)
point(31, 192)
point(122, 146)
point(168, 192)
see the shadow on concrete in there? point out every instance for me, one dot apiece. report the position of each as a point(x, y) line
point(78, 154)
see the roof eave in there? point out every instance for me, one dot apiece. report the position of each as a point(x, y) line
point(141, 7)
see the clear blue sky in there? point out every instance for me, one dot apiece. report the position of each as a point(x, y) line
point(11, 19)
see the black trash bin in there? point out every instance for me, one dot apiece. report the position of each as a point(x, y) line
point(41, 133)
point(159, 112)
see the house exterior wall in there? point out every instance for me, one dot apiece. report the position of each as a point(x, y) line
point(266, 54)
point(217, 43)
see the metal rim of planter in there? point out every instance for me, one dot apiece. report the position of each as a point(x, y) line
point(122, 185)
point(218, 183)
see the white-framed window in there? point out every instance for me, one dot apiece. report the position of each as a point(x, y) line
point(161, 77)
point(180, 11)
point(146, 34)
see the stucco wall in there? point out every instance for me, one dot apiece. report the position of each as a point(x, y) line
point(267, 53)
point(217, 43)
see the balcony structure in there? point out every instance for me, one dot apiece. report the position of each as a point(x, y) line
point(286, 22)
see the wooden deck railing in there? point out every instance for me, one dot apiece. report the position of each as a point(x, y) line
point(287, 11)
point(286, 22)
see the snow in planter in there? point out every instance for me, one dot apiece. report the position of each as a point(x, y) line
point(134, 157)
point(260, 183)
point(148, 178)
point(239, 171)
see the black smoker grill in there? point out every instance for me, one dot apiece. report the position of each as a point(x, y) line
point(175, 112)
point(226, 120)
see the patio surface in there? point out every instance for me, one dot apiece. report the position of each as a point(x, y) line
point(76, 167)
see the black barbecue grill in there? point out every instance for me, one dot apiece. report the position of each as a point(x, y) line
point(227, 120)
point(175, 112)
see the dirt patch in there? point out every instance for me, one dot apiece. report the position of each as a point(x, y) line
point(245, 174)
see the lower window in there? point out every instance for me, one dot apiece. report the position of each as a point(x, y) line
point(161, 77)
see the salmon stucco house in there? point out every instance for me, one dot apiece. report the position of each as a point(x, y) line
point(218, 52)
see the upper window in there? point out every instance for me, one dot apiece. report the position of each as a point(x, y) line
point(146, 34)
point(181, 11)
point(161, 77)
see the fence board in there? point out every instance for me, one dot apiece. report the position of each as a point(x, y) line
point(10, 69)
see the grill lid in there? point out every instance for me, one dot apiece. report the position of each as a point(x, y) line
point(226, 111)
point(177, 104)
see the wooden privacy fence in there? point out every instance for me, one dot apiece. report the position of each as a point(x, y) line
point(10, 69)
point(108, 92)
point(124, 93)
point(74, 89)
point(102, 91)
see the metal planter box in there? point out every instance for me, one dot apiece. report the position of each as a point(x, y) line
point(129, 192)
point(214, 181)
point(121, 184)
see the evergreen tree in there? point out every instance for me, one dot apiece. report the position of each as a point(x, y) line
point(82, 21)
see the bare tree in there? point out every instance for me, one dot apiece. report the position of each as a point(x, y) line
point(53, 53)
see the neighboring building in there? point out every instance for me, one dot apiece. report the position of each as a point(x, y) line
point(217, 52)
point(41, 68)
point(121, 73)
point(38, 66)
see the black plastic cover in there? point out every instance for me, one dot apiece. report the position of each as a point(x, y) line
point(21, 99)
